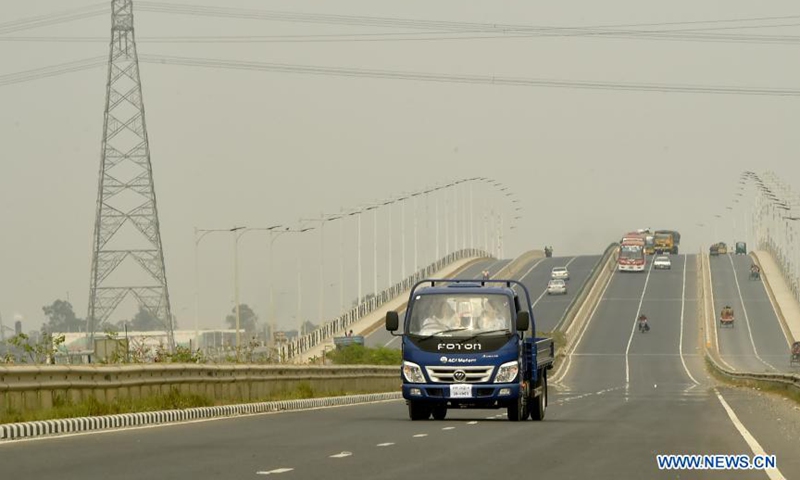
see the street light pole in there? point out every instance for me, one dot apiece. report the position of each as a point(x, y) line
point(236, 237)
point(271, 279)
point(416, 262)
point(197, 239)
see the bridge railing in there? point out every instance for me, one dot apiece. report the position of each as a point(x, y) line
point(340, 324)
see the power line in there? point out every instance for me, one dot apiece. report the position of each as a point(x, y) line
point(422, 37)
point(464, 79)
point(53, 18)
point(396, 22)
point(52, 70)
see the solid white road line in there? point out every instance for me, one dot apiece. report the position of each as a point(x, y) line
point(683, 311)
point(557, 379)
point(773, 474)
point(635, 321)
point(746, 317)
point(714, 314)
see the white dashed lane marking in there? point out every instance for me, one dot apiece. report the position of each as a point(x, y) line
point(448, 428)
point(342, 455)
point(388, 444)
point(420, 435)
point(277, 470)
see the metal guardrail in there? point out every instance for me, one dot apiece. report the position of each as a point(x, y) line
point(40, 387)
point(586, 287)
point(338, 325)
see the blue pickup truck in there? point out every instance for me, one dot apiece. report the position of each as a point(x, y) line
point(469, 344)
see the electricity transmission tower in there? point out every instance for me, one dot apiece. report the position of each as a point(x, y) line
point(127, 258)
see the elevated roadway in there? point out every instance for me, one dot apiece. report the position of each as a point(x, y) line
point(620, 400)
point(757, 341)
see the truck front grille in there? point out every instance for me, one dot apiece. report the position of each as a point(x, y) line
point(447, 374)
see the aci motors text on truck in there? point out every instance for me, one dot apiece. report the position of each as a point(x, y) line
point(469, 344)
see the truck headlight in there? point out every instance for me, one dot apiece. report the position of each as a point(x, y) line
point(412, 373)
point(507, 372)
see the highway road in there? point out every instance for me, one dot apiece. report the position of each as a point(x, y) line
point(757, 342)
point(547, 309)
point(624, 398)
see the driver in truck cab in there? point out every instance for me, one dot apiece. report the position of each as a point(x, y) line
point(439, 316)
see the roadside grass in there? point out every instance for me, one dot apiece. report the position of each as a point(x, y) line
point(174, 400)
point(361, 355)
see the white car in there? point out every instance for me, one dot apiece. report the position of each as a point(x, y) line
point(559, 273)
point(556, 286)
point(662, 262)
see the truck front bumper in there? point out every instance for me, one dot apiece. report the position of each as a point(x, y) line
point(482, 395)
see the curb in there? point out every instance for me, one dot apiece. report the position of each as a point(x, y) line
point(773, 299)
point(15, 431)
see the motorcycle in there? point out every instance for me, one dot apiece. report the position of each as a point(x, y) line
point(644, 327)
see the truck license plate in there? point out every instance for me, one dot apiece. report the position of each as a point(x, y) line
point(460, 391)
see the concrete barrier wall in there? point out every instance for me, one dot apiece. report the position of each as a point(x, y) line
point(25, 388)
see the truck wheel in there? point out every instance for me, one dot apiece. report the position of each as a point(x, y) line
point(439, 412)
point(518, 411)
point(539, 404)
point(418, 411)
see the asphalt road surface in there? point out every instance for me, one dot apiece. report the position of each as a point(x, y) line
point(622, 399)
point(756, 343)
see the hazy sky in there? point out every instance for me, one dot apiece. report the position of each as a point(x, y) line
point(257, 148)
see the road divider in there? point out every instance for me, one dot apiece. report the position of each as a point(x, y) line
point(583, 305)
point(15, 431)
point(40, 388)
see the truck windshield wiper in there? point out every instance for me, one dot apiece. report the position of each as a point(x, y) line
point(444, 331)
point(484, 333)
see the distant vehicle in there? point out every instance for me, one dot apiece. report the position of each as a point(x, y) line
point(726, 317)
point(649, 244)
point(631, 256)
point(665, 241)
point(662, 262)
point(722, 249)
point(741, 248)
point(548, 251)
point(559, 273)
point(556, 286)
point(794, 358)
point(713, 250)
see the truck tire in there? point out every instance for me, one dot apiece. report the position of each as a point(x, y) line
point(439, 412)
point(539, 404)
point(518, 411)
point(418, 411)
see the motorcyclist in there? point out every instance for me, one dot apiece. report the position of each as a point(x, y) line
point(643, 322)
point(485, 274)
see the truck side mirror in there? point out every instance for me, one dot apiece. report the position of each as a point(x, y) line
point(392, 321)
point(523, 321)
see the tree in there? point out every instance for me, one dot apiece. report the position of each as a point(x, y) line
point(145, 321)
point(248, 321)
point(61, 318)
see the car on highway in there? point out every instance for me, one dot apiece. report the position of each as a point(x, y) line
point(560, 273)
point(662, 262)
point(557, 286)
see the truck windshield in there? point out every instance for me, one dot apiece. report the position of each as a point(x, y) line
point(459, 315)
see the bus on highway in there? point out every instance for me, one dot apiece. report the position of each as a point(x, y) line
point(631, 256)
